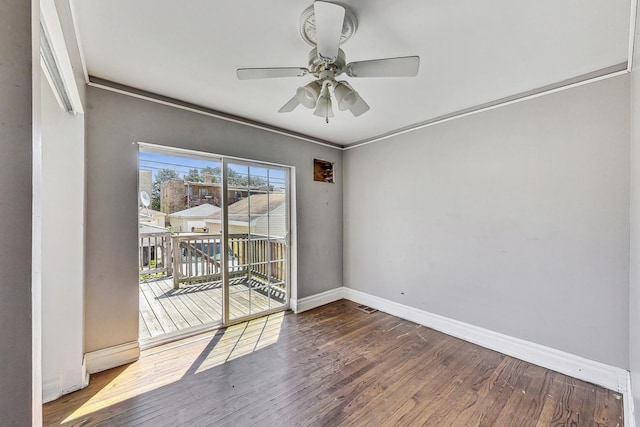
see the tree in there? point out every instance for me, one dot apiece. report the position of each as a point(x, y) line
point(193, 176)
point(235, 178)
point(162, 176)
point(215, 173)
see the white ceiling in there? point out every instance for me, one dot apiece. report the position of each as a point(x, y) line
point(472, 52)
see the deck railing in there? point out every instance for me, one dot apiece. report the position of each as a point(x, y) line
point(265, 255)
point(154, 254)
point(196, 258)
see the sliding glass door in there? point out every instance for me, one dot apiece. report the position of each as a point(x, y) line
point(212, 241)
point(257, 229)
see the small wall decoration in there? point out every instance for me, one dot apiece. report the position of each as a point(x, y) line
point(322, 171)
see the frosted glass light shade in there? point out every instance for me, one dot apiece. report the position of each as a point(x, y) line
point(345, 95)
point(324, 108)
point(308, 94)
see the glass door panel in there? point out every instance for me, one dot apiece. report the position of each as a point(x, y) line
point(179, 241)
point(257, 217)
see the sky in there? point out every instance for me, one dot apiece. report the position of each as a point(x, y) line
point(182, 164)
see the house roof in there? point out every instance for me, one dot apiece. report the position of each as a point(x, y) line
point(259, 204)
point(202, 211)
point(144, 228)
point(149, 213)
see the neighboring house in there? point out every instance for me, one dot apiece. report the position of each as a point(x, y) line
point(144, 181)
point(151, 217)
point(193, 219)
point(267, 215)
point(172, 196)
point(177, 194)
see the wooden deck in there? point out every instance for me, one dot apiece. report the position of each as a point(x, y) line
point(332, 366)
point(165, 310)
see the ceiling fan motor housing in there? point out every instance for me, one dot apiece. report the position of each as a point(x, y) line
point(336, 25)
point(317, 65)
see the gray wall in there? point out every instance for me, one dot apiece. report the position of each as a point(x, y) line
point(15, 213)
point(114, 124)
point(515, 220)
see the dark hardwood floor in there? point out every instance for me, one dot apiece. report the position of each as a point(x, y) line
point(334, 365)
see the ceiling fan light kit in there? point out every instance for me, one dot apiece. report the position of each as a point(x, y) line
point(326, 26)
point(345, 95)
point(308, 95)
point(324, 107)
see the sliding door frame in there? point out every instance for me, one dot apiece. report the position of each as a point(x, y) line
point(288, 170)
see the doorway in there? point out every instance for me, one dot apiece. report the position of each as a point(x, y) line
point(212, 241)
point(257, 229)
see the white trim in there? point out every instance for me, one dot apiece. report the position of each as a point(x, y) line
point(418, 126)
point(51, 22)
point(107, 358)
point(76, 32)
point(610, 377)
point(481, 109)
point(167, 338)
point(631, 47)
point(607, 376)
point(49, 78)
point(50, 389)
point(292, 238)
point(167, 149)
point(210, 113)
point(317, 300)
point(632, 33)
point(85, 374)
point(629, 410)
point(36, 218)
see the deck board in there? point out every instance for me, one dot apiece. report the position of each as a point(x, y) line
point(167, 303)
point(158, 310)
point(144, 330)
point(186, 311)
point(164, 309)
point(150, 318)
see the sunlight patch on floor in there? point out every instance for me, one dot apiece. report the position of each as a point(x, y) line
point(244, 339)
point(160, 368)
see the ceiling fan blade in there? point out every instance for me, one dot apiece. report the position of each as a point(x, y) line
point(269, 73)
point(406, 66)
point(359, 108)
point(290, 106)
point(329, 20)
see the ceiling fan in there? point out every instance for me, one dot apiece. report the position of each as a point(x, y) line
point(326, 26)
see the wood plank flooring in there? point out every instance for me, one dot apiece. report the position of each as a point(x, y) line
point(165, 310)
point(332, 366)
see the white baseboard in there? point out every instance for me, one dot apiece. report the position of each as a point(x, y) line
point(85, 374)
point(111, 357)
point(313, 301)
point(610, 377)
point(578, 367)
point(50, 389)
point(629, 410)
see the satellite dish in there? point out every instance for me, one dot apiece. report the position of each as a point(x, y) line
point(145, 199)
